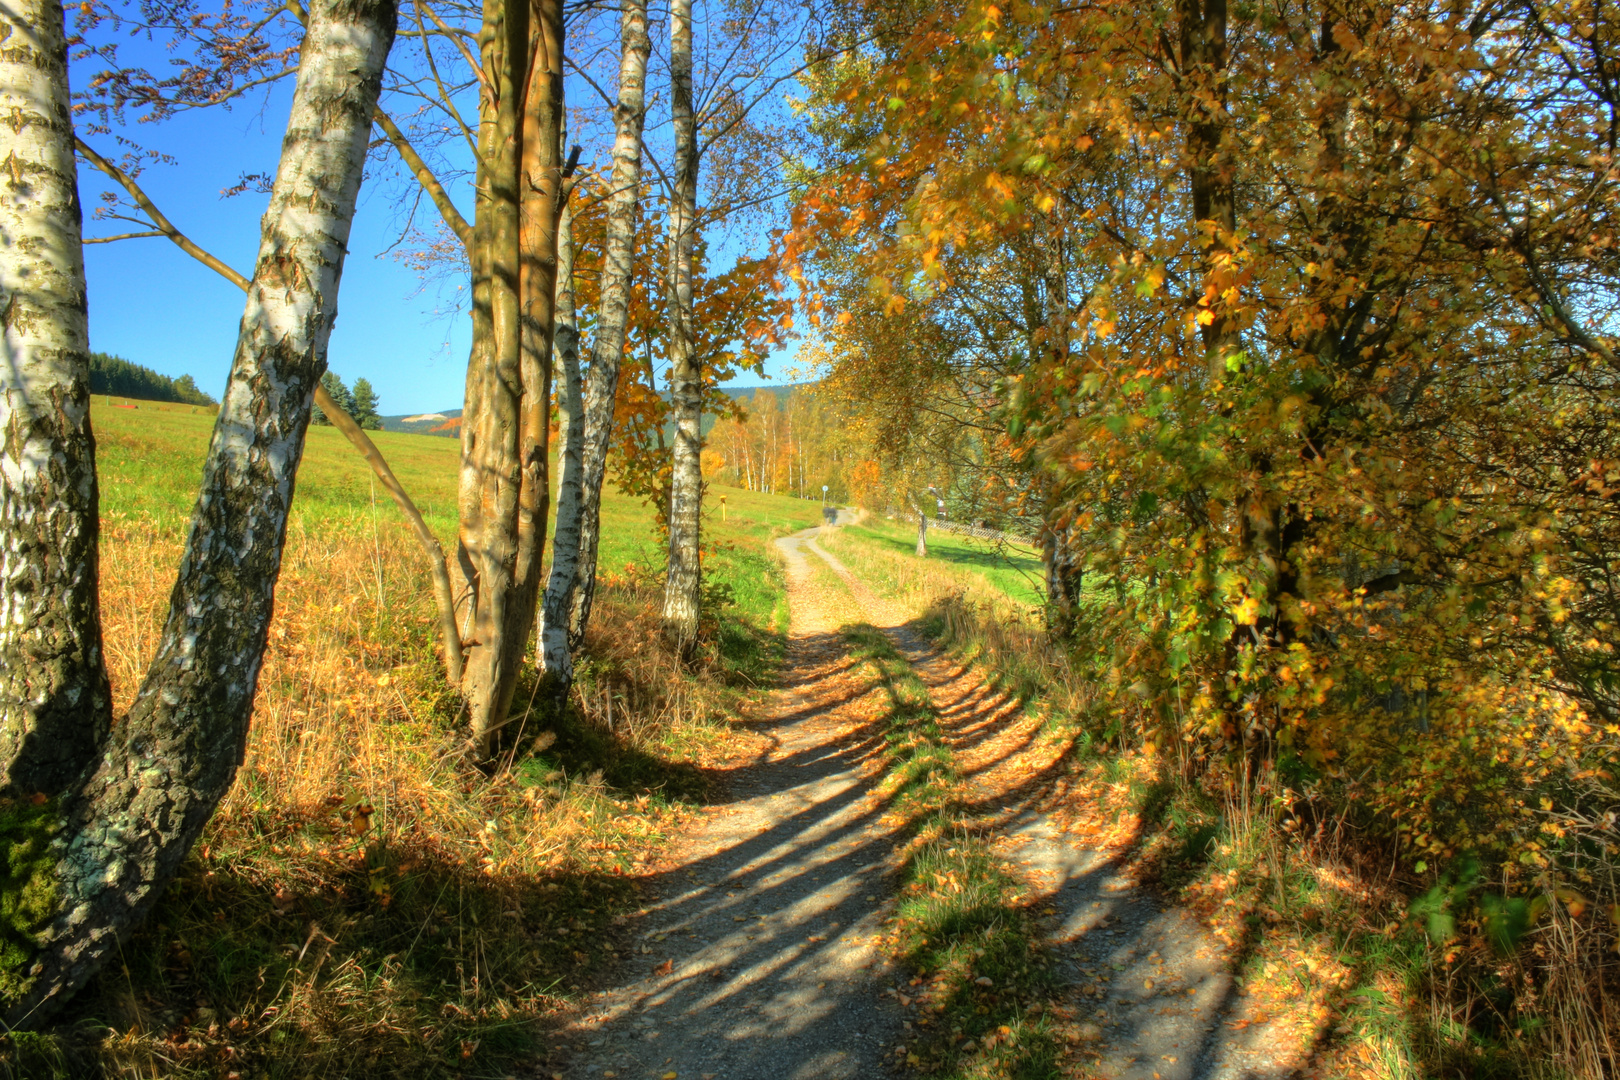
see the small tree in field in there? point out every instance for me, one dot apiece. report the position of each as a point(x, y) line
point(340, 395)
point(363, 406)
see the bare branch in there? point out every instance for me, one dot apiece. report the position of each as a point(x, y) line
point(424, 176)
point(165, 226)
point(123, 236)
point(342, 420)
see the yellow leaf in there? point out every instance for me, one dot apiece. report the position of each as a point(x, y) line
point(1206, 317)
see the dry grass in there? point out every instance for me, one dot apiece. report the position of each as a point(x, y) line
point(366, 902)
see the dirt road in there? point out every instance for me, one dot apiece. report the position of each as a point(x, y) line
point(762, 965)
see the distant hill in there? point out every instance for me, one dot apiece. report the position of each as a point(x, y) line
point(781, 390)
point(746, 394)
point(438, 423)
point(423, 423)
point(124, 378)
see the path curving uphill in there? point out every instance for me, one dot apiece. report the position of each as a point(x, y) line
point(758, 960)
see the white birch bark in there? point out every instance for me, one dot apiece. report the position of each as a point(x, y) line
point(554, 657)
point(683, 577)
point(54, 704)
point(165, 768)
point(607, 352)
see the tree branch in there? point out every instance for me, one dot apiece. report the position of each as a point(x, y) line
point(424, 176)
point(165, 226)
point(340, 419)
point(122, 236)
point(424, 535)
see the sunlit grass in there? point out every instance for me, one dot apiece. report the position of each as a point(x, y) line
point(980, 973)
point(368, 901)
point(883, 554)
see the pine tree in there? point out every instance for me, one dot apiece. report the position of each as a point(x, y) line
point(340, 395)
point(363, 406)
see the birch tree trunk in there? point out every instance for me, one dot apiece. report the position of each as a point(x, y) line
point(120, 837)
point(683, 579)
point(607, 352)
point(555, 659)
point(1063, 571)
point(1060, 560)
point(54, 703)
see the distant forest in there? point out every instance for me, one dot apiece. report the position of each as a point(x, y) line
point(114, 375)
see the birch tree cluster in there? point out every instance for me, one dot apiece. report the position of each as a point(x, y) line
point(792, 444)
point(478, 117)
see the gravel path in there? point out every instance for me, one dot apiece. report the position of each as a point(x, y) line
point(762, 966)
point(758, 963)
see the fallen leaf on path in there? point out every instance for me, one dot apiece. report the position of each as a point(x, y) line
point(984, 980)
point(665, 968)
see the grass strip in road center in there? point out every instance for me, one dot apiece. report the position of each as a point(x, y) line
point(980, 980)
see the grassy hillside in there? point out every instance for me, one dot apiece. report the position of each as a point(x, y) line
point(150, 460)
point(1006, 576)
point(368, 902)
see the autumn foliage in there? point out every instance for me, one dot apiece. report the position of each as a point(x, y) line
point(1300, 319)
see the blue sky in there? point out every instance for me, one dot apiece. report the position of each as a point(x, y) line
point(154, 305)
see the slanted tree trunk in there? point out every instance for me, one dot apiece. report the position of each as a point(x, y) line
point(607, 352)
point(443, 593)
point(683, 579)
point(503, 472)
point(555, 659)
point(54, 703)
point(121, 834)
